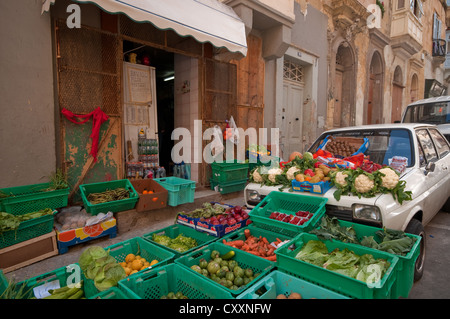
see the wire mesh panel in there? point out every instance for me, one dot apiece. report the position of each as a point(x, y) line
point(88, 70)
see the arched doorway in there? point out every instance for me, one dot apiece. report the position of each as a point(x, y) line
point(414, 91)
point(374, 107)
point(397, 95)
point(344, 87)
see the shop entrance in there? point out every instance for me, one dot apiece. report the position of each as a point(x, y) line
point(160, 64)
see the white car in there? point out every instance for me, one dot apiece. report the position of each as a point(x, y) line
point(433, 110)
point(427, 177)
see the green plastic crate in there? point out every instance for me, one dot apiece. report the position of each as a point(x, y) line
point(255, 231)
point(405, 265)
point(258, 265)
point(180, 190)
point(113, 206)
point(57, 278)
point(173, 231)
point(155, 283)
point(229, 171)
point(114, 293)
point(287, 203)
point(279, 283)
point(136, 246)
point(28, 229)
point(30, 198)
point(228, 187)
point(334, 281)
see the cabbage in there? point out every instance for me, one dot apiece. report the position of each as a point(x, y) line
point(98, 265)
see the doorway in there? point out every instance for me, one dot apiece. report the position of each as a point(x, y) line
point(291, 129)
point(374, 107)
point(344, 87)
point(397, 95)
point(163, 63)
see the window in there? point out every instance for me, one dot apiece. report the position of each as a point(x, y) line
point(416, 8)
point(426, 143)
point(437, 26)
point(400, 4)
point(293, 71)
point(440, 143)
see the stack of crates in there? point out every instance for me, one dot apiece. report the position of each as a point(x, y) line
point(229, 177)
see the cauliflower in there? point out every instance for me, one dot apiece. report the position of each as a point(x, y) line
point(291, 171)
point(273, 172)
point(257, 178)
point(363, 183)
point(340, 178)
point(390, 178)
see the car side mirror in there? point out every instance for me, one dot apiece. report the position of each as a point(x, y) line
point(430, 168)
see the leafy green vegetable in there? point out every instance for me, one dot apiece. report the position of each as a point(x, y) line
point(392, 241)
point(180, 243)
point(389, 240)
point(330, 228)
point(98, 265)
point(346, 262)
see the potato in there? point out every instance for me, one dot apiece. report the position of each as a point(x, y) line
point(281, 296)
point(300, 178)
point(295, 295)
point(315, 179)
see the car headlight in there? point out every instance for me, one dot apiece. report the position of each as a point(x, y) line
point(367, 213)
point(253, 195)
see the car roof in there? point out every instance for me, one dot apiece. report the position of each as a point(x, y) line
point(444, 98)
point(408, 126)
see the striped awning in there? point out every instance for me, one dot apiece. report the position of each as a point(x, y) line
point(205, 20)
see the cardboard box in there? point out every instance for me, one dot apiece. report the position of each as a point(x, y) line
point(28, 252)
point(155, 200)
point(79, 235)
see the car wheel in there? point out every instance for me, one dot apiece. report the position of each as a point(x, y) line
point(415, 227)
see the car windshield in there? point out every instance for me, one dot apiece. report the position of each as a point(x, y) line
point(380, 146)
point(432, 113)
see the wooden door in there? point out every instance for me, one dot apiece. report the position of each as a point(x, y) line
point(370, 100)
point(88, 65)
point(337, 99)
point(396, 112)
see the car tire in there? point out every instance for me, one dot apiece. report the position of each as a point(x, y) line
point(415, 227)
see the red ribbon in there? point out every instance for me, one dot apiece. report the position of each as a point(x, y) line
point(98, 117)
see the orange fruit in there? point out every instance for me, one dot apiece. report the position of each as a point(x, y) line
point(145, 192)
point(129, 258)
point(154, 261)
point(136, 265)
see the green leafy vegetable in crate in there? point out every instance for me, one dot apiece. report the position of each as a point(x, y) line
point(98, 265)
point(346, 262)
point(392, 241)
point(206, 211)
point(108, 196)
point(180, 243)
point(16, 290)
point(12, 222)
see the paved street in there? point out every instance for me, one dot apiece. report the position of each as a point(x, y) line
point(434, 283)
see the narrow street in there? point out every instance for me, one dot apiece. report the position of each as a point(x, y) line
point(434, 283)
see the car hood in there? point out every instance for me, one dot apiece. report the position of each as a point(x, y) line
point(344, 201)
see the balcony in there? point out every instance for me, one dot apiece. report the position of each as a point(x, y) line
point(406, 33)
point(439, 51)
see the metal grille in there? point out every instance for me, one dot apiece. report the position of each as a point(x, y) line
point(88, 70)
point(292, 71)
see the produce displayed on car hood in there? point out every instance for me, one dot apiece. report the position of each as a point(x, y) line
point(353, 175)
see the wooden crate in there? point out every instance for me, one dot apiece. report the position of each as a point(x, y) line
point(28, 252)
